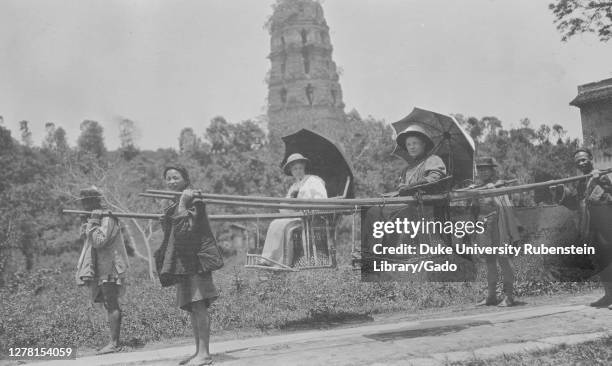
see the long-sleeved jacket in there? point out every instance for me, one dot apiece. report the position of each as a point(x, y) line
point(185, 235)
point(429, 170)
point(583, 195)
point(103, 255)
point(503, 226)
point(593, 201)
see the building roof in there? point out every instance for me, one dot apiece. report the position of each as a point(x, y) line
point(593, 92)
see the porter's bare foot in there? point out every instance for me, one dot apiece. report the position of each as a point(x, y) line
point(507, 302)
point(489, 301)
point(109, 348)
point(200, 360)
point(187, 359)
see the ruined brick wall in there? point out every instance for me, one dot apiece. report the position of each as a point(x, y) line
point(595, 103)
point(597, 131)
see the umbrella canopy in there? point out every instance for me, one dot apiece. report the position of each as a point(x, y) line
point(451, 142)
point(327, 160)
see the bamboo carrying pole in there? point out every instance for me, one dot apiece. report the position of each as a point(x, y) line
point(247, 203)
point(132, 215)
point(335, 205)
point(269, 216)
point(521, 188)
point(156, 195)
point(297, 203)
point(339, 203)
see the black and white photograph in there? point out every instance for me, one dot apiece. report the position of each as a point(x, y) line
point(305, 182)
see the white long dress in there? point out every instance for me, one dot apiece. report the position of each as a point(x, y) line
point(278, 246)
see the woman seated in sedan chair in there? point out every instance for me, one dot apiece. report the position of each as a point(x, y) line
point(278, 246)
point(427, 167)
point(424, 173)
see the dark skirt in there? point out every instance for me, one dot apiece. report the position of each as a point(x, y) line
point(194, 288)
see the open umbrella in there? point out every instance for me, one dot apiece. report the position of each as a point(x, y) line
point(327, 160)
point(451, 142)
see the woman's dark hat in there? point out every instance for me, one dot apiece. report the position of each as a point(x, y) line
point(294, 158)
point(486, 162)
point(182, 171)
point(414, 130)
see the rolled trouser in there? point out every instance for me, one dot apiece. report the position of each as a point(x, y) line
point(492, 276)
point(508, 275)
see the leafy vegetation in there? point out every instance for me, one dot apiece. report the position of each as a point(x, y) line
point(590, 353)
point(575, 17)
point(39, 246)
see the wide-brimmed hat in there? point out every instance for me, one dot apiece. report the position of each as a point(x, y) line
point(486, 162)
point(414, 130)
point(90, 192)
point(293, 158)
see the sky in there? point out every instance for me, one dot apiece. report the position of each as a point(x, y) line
point(170, 64)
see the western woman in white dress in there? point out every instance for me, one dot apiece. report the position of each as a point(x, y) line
point(278, 245)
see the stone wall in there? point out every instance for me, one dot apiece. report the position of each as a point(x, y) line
point(597, 131)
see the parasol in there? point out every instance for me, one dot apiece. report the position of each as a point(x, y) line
point(451, 142)
point(327, 160)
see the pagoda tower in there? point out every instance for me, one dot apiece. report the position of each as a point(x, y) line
point(303, 86)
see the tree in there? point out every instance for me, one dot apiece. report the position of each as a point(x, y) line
point(59, 136)
point(26, 207)
point(49, 141)
point(476, 127)
point(369, 147)
point(189, 143)
point(574, 17)
point(240, 159)
point(91, 139)
point(492, 124)
point(559, 132)
point(26, 134)
point(219, 134)
point(127, 135)
point(120, 182)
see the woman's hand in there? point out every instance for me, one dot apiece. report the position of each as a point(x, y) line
point(403, 186)
point(188, 195)
point(405, 189)
point(186, 198)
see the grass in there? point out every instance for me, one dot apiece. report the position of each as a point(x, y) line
point(589, 353)
point(45, 307)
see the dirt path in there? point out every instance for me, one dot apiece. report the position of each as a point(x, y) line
point(402, 339)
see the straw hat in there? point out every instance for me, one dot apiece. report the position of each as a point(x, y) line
point(90, 192)
point(414, 130)
point(293, 158)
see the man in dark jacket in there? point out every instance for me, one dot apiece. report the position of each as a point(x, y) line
point(592, 198)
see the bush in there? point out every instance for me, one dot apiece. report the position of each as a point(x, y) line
point(44, 307)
